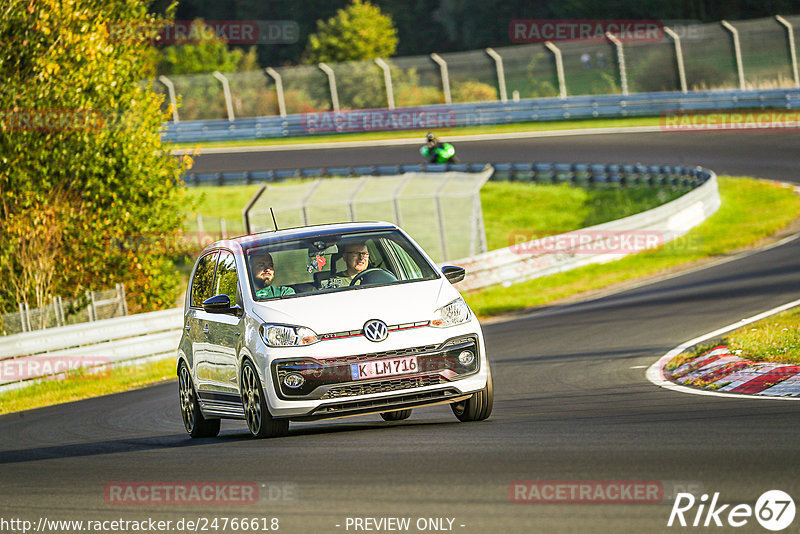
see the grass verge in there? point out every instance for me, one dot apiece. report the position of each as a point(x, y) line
point(775, 339)
point(81, 385)
point(751, 211)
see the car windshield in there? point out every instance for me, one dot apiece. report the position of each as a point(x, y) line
point(334, 263)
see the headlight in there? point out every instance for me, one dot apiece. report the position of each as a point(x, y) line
point(281, 335)
point(457, 312)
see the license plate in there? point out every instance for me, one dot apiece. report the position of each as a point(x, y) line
point(381, 368)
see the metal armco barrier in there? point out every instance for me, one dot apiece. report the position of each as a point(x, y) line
point(593, 174)
point(480, 114)
point(106, 343)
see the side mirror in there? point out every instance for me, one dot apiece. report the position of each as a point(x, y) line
point(453, 273)
point(218, 304)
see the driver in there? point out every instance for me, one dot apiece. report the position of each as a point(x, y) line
point(356, 259)
point(263, 275)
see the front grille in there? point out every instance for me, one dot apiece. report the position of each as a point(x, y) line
point(353, 390)
point(378, 355)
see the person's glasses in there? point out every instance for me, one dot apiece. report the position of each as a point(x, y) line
point(262, 268)
point(359, 254)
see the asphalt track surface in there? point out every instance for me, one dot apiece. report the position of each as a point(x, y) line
point(769, 154)
point(571, 404)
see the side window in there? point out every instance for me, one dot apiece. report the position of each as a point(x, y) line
point(227, 281)
point(409, 269)
point(203, 281)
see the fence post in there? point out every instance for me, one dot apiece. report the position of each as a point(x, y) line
point(440, 218)
point(736, 50)
point(223, 228)
point(387, 80)
point(332, 83)
point(173, 101)
point(304, 201)
point(59, 311)
point(678, 57)
point(445, 77)
point(623, 74)
point(124, 299)
point(396, 199)
point(22, 317)
point(351, 199)
point(792, 51)
point(200, 231)
point(279, 88)
point(562, 86)
point(226, 89)
point(91, 309)
point(501, 75)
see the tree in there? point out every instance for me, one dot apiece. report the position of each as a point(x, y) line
point(81, 159)
point(204, 53)
point(359, 31)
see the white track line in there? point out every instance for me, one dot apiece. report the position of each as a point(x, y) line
point(655, 373)
point(419, 141)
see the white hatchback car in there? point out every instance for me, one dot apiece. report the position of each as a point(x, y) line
point(326, 321)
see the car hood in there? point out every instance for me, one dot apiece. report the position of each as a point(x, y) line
point(349, 310)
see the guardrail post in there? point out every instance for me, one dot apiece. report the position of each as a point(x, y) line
point(623, 74)
point(501, 75)
point(387, 80)
point(445, 77)
point(562, 86)
point(792, 51)
point(226, 89)
point(332, 83)
point(678, 57)
point(736, 50)
point(278, 88)
point(173, 101)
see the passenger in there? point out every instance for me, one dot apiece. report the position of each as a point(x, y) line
point(263, 275)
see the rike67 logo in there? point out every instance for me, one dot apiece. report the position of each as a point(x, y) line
point(774, 510)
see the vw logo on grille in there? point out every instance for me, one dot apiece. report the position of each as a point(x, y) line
point(375, 330)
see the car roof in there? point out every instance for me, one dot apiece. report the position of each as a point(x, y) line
point(300, 232)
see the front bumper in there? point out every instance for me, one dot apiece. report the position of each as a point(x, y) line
point(330, 391)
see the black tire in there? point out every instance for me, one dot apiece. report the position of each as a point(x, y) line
point(397, 415)
point(196, 424)
point(478, 407)
point(256, 412)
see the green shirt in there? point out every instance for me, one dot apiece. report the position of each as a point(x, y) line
point(274, 291)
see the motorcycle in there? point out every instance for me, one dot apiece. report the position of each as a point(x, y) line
point(439, 153)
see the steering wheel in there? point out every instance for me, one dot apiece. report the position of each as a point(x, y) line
point(374, 275)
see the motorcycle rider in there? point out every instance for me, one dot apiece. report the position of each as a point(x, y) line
point(433, 149)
